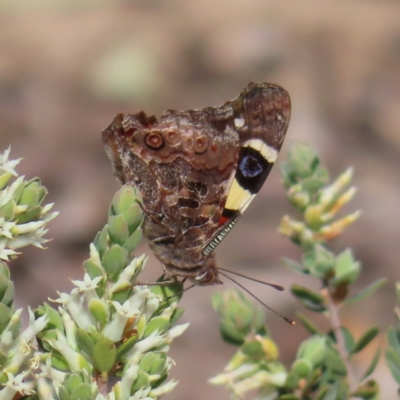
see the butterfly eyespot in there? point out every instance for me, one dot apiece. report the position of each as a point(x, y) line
point(250, 166)
point(188, 143)
point(154, 140)
point(200, 144)
point(213, 149)
point(172, 137)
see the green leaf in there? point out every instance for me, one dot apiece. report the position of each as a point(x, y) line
point(346, 268)
point(368, 391)
point(59, 362)
point(101, 241)
point(393, 362)
point(118, 229)
point(349, 342)
point(294, 266)
point(29, 215)
point(302, 368)
point(315, 182)
point(115, 259)
point(170, 293)
point(133, 240)
point(335, 363)
point(18, 191)
point(322, 393)
point(372, 364)
point(99, 310)
point(176, 314)
point(30, 196)
point(319, 261)
point(142, 381)
point(161, 324)
point(4, 179)
point(84, 341)
point(7, 211)
point(252, 349)
point(308, 324)
point(366, 292)
point(126, 346)
point(314, 349)
point(5, 315)
point(393, 339)
point(310, 299)
point(124, 199)
point(302, 160)
point(82, 392)
point(104, 355)
point(312, 379)
point(92, 268)
point(365, 339)
point(133, 216)
point(348, 338)
point(55, 320)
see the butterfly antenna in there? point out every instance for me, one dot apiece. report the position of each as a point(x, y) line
point(288, 320)
point(277, 287)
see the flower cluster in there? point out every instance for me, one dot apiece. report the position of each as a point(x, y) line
point(111, 326)
point(110, 336)
point(22, 218)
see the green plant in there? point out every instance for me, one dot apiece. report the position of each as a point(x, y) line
point(322, 368)
point(109, 337)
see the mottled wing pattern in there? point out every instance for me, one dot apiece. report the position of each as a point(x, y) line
point(182, 167)
point(198, 170)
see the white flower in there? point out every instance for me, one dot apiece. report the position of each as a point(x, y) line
point(7, 165)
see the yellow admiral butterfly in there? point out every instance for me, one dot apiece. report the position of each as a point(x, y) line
point(197, 171)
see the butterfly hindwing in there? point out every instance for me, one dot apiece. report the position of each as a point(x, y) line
point(197, 171)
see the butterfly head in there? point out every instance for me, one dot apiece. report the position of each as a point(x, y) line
point(209, 275)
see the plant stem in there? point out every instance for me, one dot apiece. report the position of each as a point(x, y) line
point(102, 384)
point(336, 326)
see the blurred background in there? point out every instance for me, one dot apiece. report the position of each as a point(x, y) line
point(68, 66)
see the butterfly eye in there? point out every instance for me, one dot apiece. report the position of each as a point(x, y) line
point(200, 144)
point(154, 140)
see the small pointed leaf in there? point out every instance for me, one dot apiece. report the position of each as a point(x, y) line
point(372, 365)
point(294, 266)
point(393, 339)
point(310, 299)
point(393, 362)
point(308, 324)
point(365, 339)
point(366, 292)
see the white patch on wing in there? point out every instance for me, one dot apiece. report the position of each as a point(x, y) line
point(268, 152)
point(239, 122)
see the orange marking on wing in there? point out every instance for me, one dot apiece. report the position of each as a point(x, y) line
point(222, 220)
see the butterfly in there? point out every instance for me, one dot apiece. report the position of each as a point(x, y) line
point(197, 171)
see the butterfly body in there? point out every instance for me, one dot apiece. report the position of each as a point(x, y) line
point(197, 171)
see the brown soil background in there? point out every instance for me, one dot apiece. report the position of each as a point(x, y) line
point(68, 66)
